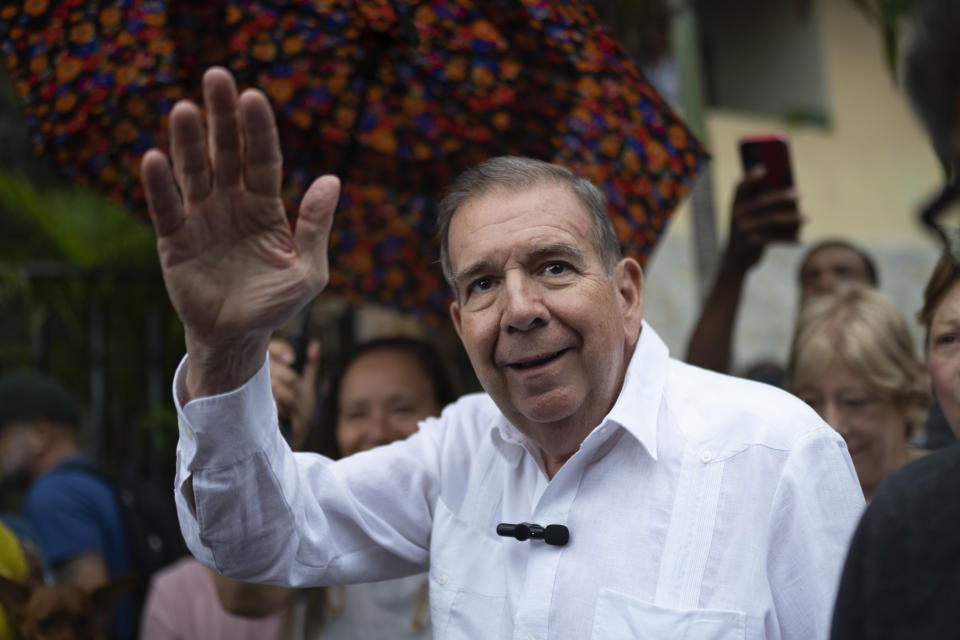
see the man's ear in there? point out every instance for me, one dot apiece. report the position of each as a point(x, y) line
point(628, 279)
point(455, 316)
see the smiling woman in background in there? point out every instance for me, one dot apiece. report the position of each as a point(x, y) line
point(853, 360)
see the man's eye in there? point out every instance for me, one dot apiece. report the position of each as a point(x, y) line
point(481, 284)
point(556, 268)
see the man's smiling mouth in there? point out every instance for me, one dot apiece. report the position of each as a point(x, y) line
point(536, 362)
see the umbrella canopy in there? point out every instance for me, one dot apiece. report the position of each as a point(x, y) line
point(395, 97)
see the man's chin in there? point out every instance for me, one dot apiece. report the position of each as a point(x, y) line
point(555, 407)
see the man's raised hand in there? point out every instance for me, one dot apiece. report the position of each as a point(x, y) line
point(234, 267)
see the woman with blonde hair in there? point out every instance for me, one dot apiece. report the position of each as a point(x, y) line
point(854, 361)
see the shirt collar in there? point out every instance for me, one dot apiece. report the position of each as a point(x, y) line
point(638, 406)
point(636, 409)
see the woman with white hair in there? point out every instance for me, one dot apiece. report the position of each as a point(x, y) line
point(854, 361)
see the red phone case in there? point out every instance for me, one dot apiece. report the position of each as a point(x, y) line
point(773, 152)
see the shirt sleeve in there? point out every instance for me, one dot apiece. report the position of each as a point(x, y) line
point(253, 510)
point(816, 507)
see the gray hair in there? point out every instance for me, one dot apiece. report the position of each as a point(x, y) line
point(932, 70)
point(515, 173)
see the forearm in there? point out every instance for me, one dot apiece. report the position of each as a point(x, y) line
point(711, 343)
point(253, 510)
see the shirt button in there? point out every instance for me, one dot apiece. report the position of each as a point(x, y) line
point(442, 579)
point(705, 456)
point(188, 433)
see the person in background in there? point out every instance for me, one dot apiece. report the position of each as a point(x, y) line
point(853, 360)
point(901, 579)
point(758, 219)
point(384, 389)
point(830, 264)
point(74, 511)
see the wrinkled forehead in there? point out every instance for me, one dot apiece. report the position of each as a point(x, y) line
point(511, 209)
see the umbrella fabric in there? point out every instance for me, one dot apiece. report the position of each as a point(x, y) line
point(396, 98)
point(97, 80)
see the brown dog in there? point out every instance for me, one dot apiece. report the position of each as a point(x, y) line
point(60, 611)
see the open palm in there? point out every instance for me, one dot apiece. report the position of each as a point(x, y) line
point(231, 261)
point(234, 267)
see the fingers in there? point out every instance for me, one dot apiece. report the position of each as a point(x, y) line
point(264, 164)
point(188, 151)
point(283, 379)
point(763, 203)
point(749, 183)
point(773, 222)
point(163, 199)
point(223, 123)
point(315, 219)
point(281, 351)
point(312, 365)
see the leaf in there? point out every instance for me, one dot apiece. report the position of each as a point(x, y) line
point(85, 228)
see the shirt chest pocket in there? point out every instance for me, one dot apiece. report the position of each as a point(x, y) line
point(621, 616)
point(467, 580)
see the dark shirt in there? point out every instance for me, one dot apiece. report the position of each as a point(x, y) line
point(937, 430)
point(902, 575)
point(75, 512)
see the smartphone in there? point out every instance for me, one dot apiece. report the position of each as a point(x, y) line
point(773, 152)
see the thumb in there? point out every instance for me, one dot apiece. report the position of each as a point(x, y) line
point(315, 219)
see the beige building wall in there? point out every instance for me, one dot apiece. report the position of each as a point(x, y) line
point(862, 178)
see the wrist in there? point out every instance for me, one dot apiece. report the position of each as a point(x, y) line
point(736, 264)
point(219, 367)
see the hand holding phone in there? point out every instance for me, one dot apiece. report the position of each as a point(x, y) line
point(765, 207)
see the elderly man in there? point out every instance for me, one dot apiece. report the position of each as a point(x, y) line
point(696, 505)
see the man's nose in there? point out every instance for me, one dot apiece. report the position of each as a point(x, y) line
point(523, 307)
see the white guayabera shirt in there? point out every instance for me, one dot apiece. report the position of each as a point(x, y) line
point(702, 507)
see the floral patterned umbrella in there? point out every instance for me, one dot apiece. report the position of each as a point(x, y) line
point(395, 97)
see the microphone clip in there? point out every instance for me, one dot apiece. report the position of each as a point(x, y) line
point(553, 534)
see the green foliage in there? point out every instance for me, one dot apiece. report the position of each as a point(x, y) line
point(79, 226)
point(79, 285)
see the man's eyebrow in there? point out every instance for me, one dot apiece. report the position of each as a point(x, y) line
point(563, 250)
point(471, 272)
